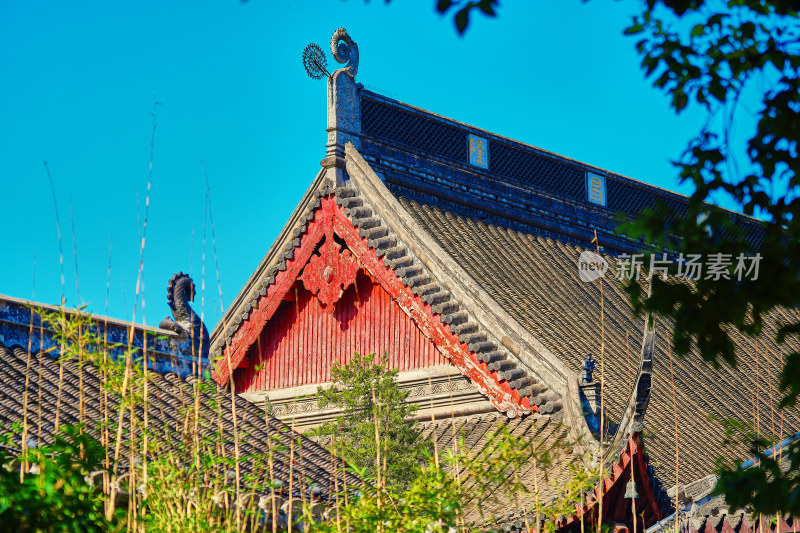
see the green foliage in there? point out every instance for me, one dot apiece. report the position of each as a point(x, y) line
point(54, 494)
point(459, 484)
point(495, 470)
point(773, 485)
point(179, 480)
point(464, 9)
point(430, 503)
point(184, 479)
point(719, 51)
point(190, 488)
point(367, 393)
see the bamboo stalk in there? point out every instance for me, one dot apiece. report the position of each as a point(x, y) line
point(675, 412)
point(433, 426)
point(24, 444)
point(602, 388)
point(81, 393)
point(291, 477)
point(39, 383)
point(146, 406)
point(377, 451)
point(633, 497)
point(235, 436)
point(61, 366)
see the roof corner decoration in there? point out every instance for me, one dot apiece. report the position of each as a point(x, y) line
point(184, 320)
point(345, 50)
point(633, 419)
point(629, 476)
point(591, 395)
point(344, 106)
point(629, 495)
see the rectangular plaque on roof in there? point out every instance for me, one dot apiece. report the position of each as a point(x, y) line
point(478, 151)
point(596, 188)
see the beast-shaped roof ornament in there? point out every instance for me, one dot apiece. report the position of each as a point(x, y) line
point(184, 321)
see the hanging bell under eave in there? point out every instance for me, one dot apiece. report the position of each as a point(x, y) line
point(630, 491)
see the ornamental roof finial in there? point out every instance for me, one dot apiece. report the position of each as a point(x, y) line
point(345, 50)
point(344, 100)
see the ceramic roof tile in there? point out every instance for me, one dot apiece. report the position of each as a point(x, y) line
point(169, 396)
point(476, 438)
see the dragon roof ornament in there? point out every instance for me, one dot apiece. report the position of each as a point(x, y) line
point(184, 320)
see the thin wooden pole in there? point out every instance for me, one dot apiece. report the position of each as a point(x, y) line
point(602, 389)
point(675, 414)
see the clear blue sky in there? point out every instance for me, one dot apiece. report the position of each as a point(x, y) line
point(76, 89)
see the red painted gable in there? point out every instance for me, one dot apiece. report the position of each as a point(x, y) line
point(302, 340)
point(331, 246)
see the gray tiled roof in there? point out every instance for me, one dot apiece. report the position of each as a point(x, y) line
point(169, 399)
point(536, 280)
point(714, 515)
point(477, 437)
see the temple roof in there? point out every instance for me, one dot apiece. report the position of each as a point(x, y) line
point(170, 398)
point(487, 232)
point(504, 247)
point(518, 227)
point(414, 149)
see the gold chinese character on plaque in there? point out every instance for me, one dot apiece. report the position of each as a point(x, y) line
point(596, 187)
point(478, 151)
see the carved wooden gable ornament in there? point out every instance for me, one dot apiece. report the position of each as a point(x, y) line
point(328, 274)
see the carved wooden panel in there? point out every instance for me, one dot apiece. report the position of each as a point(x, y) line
point(328, 274)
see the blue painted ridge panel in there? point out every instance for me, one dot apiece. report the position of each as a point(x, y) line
point(478, 151)
point(18, 327)
point(596, 186)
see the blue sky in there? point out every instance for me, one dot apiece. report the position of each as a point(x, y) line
point(79, 78)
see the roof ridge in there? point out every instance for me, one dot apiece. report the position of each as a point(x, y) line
point(641, 184)
point(470, 294)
